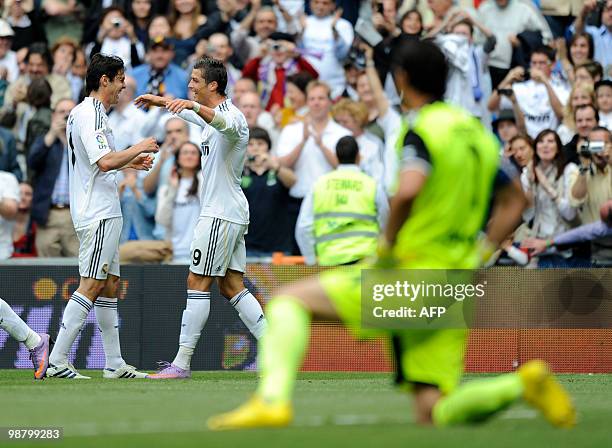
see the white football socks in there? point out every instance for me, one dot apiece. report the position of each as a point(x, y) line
point(194, 319)
point(108, 321)
point(73, 319)
point(16, 327)
point(250, 312)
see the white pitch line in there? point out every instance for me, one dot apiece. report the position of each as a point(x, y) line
point(123, 428)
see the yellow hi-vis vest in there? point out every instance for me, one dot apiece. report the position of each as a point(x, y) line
point(345, 223)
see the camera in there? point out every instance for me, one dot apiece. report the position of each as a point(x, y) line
point(505, 92)
point(251, 158)
point(356, 57)
point(277, 47)
point(589, 148)
point(116, 22)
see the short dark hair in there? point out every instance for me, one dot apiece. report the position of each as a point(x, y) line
point(467, 23)
point(424, 65)
point(39, 93)
point(546, 51)
point(347, 149)
point(587, 106)
point(213, 70)
point(602, 129)
point(260, 134)
point(100, 65)
point(41, 49)
point(300, 80)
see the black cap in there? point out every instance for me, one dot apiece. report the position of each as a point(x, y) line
point(277, 35)
point(161, 41)
point(504, 115)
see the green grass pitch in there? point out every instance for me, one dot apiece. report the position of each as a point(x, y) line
point(332, 409)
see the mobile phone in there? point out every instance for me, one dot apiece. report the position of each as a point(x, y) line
point(505, 92)
point(368, 33)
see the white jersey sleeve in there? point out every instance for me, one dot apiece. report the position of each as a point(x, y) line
point(224, 121)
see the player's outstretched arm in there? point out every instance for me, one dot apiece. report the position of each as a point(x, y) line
point(148, 99)
point(116, 160)
point(178, 105)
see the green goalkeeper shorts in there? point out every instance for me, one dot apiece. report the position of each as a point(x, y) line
point(422, 356)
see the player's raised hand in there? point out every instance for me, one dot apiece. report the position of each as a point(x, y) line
point(148, 145)
point(142, 162)
point(178, 105)
point(148, 99)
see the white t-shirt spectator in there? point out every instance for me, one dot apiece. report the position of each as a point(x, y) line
point(326, 54)
point(126, 126)
point(9, 62)
point(532, 98)
point(312, 163)
point(9, 190)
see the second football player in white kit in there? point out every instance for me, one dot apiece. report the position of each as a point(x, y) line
point(218, 250)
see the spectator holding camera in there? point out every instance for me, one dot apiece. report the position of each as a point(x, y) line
point(264, 22)
point(586, 118)
point(327, 39)
point(547, 182)
point(178, 206)
point(116, 36)
point(271, 71)
point(266, 183)
point(48, 161)
point(540, 98)
point(602, 35)
point(593, 186)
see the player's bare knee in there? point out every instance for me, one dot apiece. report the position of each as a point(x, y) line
point(198, 282)
point(111, 287)
point(91, 288)
point(231, 284)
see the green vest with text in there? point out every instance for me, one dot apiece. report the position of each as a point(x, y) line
point(345, 219)
point(450, 211)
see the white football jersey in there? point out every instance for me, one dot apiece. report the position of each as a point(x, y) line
point(223, 149)
point(93, 193)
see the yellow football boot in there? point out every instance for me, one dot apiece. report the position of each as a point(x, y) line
point(255, 413)
point(543, 392)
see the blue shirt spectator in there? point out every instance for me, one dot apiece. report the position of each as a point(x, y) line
point(160, 76)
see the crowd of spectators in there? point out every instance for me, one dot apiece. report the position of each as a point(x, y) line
point(305, 73)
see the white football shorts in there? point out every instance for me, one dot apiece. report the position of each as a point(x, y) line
point(99, 248)
point(218, 245)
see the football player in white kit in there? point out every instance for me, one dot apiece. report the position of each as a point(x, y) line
point(96, 215)
point(218, 250)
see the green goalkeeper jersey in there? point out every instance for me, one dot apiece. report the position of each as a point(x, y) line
point(461, 159)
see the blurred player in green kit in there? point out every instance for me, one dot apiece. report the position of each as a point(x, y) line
point(449, 173)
